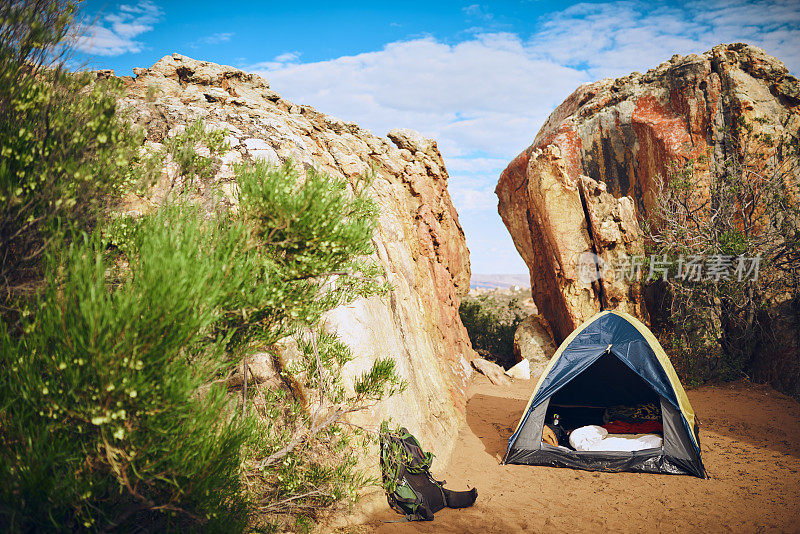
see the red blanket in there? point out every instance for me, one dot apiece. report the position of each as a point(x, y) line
point(645, 427)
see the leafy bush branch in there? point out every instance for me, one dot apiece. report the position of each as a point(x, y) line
point(745, 205)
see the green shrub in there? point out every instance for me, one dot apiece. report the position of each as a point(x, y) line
point(491, 327)
point(305, 460)
point(309, 237)
point(745, 204)
point(315, 237)
point(182, 147)
point(63, 147)
point(117, 336)
point(103, 421)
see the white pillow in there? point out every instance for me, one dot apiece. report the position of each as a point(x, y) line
point(584, 437)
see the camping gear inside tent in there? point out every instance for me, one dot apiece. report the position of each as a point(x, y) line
point(609, 375)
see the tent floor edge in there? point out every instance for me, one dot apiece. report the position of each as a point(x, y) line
point(654, 462)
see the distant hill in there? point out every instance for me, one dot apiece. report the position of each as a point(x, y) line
point(499, 281)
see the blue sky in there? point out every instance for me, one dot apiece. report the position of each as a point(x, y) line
point(480, 78)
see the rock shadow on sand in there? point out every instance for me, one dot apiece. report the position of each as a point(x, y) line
point(493, 419)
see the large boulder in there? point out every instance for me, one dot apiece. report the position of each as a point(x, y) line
point(533, 342)
point(492, 371)
point(572, 199)
point(419, 240)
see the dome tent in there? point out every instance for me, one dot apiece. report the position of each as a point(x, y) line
point(610, 360)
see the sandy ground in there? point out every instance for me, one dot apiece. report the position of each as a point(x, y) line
point(750, 440)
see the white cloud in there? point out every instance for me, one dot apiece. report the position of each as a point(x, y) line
point(482, 20)
point(487, 96)
point(478, 11)
point(278, 63)
point(114, 34)
point(614, 39)
point(481, 95)
point(215, 38)
point(288, 57)
point(473, 199)
point(476, 165)
point(484, 98)
point(472, 182)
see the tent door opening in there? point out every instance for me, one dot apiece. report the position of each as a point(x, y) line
point(586, 399)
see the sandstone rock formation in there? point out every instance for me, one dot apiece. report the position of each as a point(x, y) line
point(419, 241)
point(492, 371)
point(533, 342)
point(596, 165)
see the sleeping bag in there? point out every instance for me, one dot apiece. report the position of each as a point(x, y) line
point(597, 438)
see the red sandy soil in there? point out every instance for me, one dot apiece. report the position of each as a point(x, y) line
point(750, 438)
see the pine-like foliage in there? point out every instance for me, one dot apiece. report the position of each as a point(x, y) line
point(102, 415)
point(117, 336)
point(63, 147)
point(111, 404)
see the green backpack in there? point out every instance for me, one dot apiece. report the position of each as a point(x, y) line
point(410, 488)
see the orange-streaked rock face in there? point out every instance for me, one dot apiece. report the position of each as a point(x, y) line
point(419, 240)
point(625, 135)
